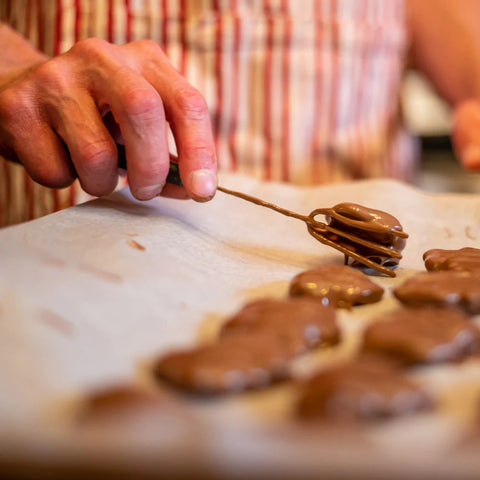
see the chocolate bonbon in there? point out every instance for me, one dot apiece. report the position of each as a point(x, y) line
point(234, 364)
point(254, 348)
point(370, 224)
point(336, 285)
point(462, 260)
point(442, 289)
point(423, 335)
point(373, 238)
point(366, 389)
point(301, 323)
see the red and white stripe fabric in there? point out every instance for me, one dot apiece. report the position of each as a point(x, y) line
point(304, 91)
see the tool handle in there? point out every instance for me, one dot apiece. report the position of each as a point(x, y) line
point(173, 176)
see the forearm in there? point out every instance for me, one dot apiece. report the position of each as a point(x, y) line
point(446, 45)
point(17, 53)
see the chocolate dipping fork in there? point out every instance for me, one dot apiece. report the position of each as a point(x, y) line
point(323, 232)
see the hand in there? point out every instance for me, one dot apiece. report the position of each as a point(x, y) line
point(466, 134)
point(62, 117)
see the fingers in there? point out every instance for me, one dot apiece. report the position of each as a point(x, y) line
point(188, 116)
point(91, 147)
point(138, 110)
point(190, 122)
point(466, 134)
point(45, 159)
point(60, 106)
point(29, 140)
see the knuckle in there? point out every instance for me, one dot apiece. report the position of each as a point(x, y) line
point(152, 170)
point(191, 104)
point(150, 47)
point(201, 153)
point(52, 78)
point(93, 53)
point(89, 47)
point(144, 103)
point(97, 154)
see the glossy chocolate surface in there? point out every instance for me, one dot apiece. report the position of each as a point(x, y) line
point(423, 335)
point(301, 323)
point(366, 389)
point(254, 348)
point(370, 224)
point(462, 260)
point(442, 288)
point(234, 364)
point(336, 285)
point(122, 402)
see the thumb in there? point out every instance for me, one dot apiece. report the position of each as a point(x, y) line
point(466, 134)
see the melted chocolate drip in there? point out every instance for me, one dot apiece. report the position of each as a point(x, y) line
point(369, 224)
point(371, 237)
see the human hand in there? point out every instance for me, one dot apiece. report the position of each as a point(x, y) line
point(62, 117)
point(466, 134)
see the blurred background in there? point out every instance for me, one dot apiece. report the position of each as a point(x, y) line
point(429, 117)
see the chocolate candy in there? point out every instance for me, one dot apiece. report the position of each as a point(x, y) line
point(336, 285)
point(369, 388)
point(235, 363)
point(255, 347)
point(423, 335)
point(370, 224)
point(442, 289)
point(301, 323)
point(463, 260)
point(123, 403)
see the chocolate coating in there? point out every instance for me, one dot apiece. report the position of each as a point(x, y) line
point(235, 363)
point(300, 323)
point(423, 335)
point(122, 402)
point(336, 285)
point(442, 289)
point(463, 260)
point(369, 388)
point(370, 224)
point(255, 347)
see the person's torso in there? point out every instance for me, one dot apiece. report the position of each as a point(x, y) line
point(304, 91)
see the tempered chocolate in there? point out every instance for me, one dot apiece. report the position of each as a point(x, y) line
point(462, 260)
point(300, 323)
point(119, 403)
point(370, 224)
point(233, 364)
point(381, 236)
point(254, 348)
point(442, 289)
point(423, 335)
point(336, 285)
point(369, 388)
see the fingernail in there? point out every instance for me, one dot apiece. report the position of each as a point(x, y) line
point(203, 184)
point(146, 193)
point(471, 157)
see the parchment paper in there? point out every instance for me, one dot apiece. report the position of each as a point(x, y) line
point(91, 295)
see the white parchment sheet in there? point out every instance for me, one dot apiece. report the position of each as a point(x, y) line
point(90, 295)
